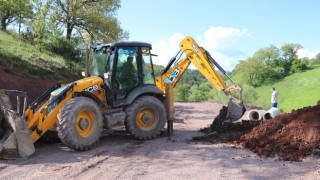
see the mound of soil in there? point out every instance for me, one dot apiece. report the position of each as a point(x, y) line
point(220, 131)
point(290, 136)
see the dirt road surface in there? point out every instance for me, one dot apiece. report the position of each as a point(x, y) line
point(118, 156)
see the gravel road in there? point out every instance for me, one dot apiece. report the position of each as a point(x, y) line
point(119, 156)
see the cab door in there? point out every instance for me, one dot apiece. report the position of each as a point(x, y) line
point(147, 66)
point(126, 71)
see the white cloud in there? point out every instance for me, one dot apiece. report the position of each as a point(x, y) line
point(222, 37)
point(221, 42)
point(310, 53)
point(166, 48)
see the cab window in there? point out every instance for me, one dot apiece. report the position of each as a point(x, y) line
point(127, 70)
point(147, 70)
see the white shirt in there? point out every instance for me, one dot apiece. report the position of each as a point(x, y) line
point(274, 97)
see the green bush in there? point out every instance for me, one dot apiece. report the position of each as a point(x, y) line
point(249, 95)
point(202, 92)
point(218, 96)
point(314, 61)
point(181, 92)
point(63, 47)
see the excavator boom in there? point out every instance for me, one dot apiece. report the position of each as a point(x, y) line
point(203, 61)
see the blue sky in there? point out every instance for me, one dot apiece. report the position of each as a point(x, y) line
point(231, 30)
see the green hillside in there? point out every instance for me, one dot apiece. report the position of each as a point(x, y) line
point(19, 56)
point(295, 91)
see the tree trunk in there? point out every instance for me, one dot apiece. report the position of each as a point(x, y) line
point(3, 24)
point(20, 20)
point(69, 31)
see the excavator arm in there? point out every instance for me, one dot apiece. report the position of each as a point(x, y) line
point(203, 61)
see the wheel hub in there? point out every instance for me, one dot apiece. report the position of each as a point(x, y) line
point(83, 123)
point(146, 118)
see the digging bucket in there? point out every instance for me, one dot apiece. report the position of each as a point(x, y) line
point(235, 109)
point(15, 138)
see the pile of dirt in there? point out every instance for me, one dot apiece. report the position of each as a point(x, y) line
point(220, 131)
point(290, 136)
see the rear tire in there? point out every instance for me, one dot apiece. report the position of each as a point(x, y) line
point(145, 118)
point(80, 123)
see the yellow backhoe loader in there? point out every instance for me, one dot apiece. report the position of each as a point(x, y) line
point(119, 89)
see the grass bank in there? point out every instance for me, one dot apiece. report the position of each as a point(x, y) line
point(295, 91)
point(20, 56)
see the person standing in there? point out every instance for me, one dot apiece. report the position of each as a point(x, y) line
point(274, 98)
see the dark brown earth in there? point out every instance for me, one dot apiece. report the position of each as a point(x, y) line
point(290, 136)
point(220, 131)
point(34, 86)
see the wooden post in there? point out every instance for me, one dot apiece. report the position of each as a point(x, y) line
point(87, 61)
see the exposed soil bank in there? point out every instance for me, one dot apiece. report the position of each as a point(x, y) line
point(34, 86)
point(290, 136)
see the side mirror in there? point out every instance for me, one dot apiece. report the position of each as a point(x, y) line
point(83, 74)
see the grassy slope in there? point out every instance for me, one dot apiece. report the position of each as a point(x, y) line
point(16, 53)
point(296, 91)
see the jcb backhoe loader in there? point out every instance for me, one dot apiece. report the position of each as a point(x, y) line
point(119, 89)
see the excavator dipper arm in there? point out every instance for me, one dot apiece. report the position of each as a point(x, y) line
point(203, 61)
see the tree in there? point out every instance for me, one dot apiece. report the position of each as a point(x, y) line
point(289, 53)
point(201, 92)
point(182, 92)
point(315, 60)
point(39, 23)
point(14, 10)
point(318, 58)
point(269, 55)
point(252, 71)
point(92, 17)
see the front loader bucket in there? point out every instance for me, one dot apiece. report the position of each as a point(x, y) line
point(15, 139)
point(235, 109)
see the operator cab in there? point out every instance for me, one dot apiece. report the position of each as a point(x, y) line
point(124, 66)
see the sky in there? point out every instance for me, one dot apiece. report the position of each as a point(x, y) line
point(231, 30)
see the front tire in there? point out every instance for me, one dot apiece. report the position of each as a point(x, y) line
point(145, 118)
point(80, 123)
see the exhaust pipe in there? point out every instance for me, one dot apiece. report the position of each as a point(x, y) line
point(271, 113)
point(15, 139)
